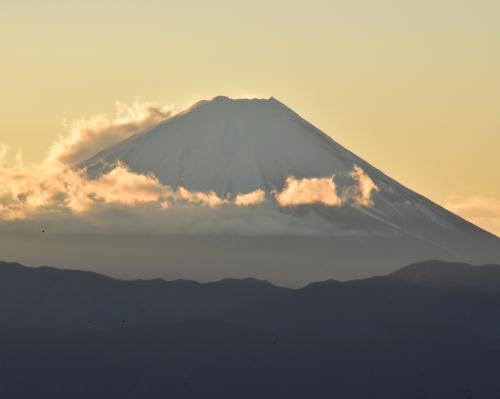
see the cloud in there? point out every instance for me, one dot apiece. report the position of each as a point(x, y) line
point(210, 198)
point(122, 187)
point(89, 136)
point(36, 193)
point(483, 211)
point(122, 201)
point(309, 191)
point(25, 194)
point(362, 192)
point(4, 149)
point(254, 198)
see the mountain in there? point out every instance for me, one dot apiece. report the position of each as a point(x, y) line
point(440, 274)
point(72, 299)
point(238, 146)
point(231, 146)
point(77, 334)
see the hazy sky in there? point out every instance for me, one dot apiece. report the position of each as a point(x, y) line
point(411, 86)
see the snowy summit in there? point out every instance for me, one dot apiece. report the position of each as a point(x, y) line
point(232, 146)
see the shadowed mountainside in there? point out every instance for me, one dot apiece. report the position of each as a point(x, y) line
point(451, 275)
point(409, 334)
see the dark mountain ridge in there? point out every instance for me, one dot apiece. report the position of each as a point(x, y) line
point(72, 299)
point(66, 333)
point(450, 275)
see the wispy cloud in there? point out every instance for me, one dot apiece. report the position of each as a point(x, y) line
point(4, 149)
point(362, 192)
point(209, 198)
point(19, 160)
point(88, 136)
point(483, 211)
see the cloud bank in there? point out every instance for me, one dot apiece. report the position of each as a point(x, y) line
point(27, 194)
point(55, 192)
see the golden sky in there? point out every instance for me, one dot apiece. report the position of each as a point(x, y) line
point(411, 86)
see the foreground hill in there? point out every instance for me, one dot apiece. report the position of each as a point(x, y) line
point(451, 275)
point(79, 335)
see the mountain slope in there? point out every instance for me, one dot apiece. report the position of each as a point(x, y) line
point(232, 146)
point(237, 146)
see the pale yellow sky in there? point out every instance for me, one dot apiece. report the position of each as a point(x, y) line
point(412, 87)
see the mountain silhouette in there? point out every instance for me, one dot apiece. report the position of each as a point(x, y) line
point(80, 334)
point(440, 274)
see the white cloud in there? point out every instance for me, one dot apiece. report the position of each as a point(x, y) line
point(88, 136)
point(323, 190)
point(254, 198)
point(361, 193)
point(309, 191)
